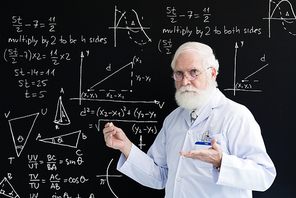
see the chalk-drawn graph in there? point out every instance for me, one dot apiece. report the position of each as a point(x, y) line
point(128, 65)
point(282, 11)
point(7, 189)
point(134, 28)
point(67, 140)
point(106, 178)
point(21, 128)
point(244, 84)
point(89, 94)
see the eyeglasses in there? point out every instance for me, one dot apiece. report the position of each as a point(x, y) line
point(178, 75)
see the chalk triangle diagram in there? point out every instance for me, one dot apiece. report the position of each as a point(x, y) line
point(21, 129)
point(61, 117)
point(7, 190)
point(130, 64)
point(69, 140)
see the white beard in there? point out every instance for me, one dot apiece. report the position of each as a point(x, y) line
point(193, 99)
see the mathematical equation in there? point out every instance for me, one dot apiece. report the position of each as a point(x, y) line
point(26, 49)
point(14, 55)
point(119, 113)
point(17, 22)
point(52, 164)
point(139, 129)
point(33, 81)
point(173, 15)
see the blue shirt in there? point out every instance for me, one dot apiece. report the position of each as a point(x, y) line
point(245, 164)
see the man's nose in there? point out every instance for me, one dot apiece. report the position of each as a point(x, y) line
point(185, 81)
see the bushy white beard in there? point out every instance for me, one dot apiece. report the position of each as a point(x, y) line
point(193, 99)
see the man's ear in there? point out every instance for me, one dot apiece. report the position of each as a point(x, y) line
point(213, 73)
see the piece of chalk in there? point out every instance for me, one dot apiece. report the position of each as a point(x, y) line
point(110, 124)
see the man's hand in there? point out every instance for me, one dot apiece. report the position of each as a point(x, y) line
point(211, 155)
point(115, 138)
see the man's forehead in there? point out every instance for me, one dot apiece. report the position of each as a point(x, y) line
point(188, 62)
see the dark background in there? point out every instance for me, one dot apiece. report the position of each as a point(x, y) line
point(244, 34)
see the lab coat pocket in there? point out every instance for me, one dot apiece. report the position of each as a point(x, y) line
point(199, 163)
point(221, 140)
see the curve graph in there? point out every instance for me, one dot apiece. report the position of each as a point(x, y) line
point(282, 11)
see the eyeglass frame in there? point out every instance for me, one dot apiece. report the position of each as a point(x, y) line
point(173, 76)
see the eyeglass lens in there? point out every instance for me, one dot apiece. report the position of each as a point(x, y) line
point(178, 76)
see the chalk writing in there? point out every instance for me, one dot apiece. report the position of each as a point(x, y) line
point(172, 14)
point(17, 22)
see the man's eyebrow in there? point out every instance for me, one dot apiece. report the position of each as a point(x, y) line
point(177, 70)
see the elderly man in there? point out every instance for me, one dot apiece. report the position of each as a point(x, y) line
point(209, 146)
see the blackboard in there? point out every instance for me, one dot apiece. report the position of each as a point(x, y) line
point(68, 67)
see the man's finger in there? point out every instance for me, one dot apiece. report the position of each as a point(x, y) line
point(183, 153)
point(215, 145)
point(109, 140)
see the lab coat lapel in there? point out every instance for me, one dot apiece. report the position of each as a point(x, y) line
point(186, 116)
point(204, 114)
point(217, 100)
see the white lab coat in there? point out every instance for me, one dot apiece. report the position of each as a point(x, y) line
point(245, 164)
